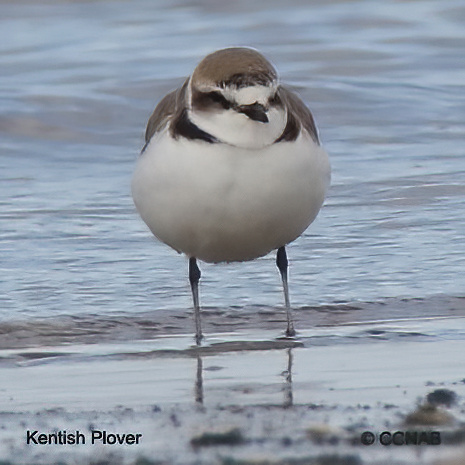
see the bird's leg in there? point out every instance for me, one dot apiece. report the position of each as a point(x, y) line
point(281, 262)
point(194, 277)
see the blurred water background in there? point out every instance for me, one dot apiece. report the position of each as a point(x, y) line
point(79, 79)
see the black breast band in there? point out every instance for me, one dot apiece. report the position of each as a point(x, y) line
point(182, 126)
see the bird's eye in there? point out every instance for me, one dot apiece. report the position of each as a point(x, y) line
point(275, 100)
point(219, 98)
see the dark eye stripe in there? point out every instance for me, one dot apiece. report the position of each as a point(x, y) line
point(219, 98)
point(203, 101)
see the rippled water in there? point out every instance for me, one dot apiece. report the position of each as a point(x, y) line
point(385, 81)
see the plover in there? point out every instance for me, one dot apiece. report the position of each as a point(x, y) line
point(232, 167)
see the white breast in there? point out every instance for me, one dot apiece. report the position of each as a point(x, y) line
point(221, 203)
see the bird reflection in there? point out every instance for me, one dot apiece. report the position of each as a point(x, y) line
point(288, 400)
point(199, 382)
point(288, 397)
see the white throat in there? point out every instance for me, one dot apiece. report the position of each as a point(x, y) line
point(237, 129)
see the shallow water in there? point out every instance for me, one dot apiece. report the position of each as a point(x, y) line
point(385, 82)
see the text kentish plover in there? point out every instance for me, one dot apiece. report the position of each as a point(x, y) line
point(232, 167)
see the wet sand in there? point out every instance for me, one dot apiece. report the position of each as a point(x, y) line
point(247, 396)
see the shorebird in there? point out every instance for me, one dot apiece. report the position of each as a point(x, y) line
point(232, 167)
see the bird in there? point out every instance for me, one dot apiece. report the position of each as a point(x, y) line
point(232, 168)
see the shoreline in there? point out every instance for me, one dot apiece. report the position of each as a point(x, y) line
point(270, 406)
point(247, 396)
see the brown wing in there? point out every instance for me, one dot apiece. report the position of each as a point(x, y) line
point(170, 105)
point(298, 117)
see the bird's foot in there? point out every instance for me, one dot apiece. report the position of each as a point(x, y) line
point(290, 332)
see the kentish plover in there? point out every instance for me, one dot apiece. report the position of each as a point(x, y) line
point(232, 167)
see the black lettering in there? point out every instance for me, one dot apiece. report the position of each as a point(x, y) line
point(96, 436)
point(398, 438)
point(74, 438)
point(423, 438)
point(30, 437)
point(56, 438)
point(115, 438)
point(435, 438)
point(385, 438)
point(133, 438)
point(411, 438)
point(80, 438)
point(71, 438)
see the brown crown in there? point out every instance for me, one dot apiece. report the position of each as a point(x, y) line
point(239, 67)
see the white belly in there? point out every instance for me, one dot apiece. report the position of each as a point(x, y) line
point(220, 203)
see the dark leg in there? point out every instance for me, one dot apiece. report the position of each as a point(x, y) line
point(194, 277)
point(281, 262)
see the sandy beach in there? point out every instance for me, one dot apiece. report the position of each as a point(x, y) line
point(246, 397)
